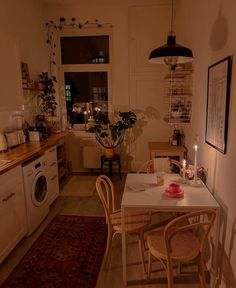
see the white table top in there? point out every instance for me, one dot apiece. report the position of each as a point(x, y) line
point(153, 197)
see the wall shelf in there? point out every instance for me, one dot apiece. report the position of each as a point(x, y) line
point(178, 96)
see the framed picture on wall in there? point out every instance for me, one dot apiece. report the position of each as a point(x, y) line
point(218, 95)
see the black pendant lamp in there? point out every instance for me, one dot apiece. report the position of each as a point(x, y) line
point(171, 53)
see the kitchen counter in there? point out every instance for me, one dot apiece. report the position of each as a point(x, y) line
point(27, 151)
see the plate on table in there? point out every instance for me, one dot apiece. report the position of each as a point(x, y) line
point(175, 194)
point(197, 183)
point(138, 187)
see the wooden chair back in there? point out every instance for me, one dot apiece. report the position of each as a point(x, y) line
point(146, 167)
point(106, 193)
point(199, 223)
point(157, 164)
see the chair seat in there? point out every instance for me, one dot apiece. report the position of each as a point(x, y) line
point(134, 221)
point(185, 245)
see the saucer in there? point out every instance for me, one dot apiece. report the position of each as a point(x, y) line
point(174, 194)
point(197, 183)
point(138, 187)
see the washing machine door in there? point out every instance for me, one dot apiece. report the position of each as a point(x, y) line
point(39, 189)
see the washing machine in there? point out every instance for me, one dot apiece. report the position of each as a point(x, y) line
point(36, 192)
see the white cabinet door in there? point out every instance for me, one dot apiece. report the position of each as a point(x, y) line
point(52, 174)
point(12, 211)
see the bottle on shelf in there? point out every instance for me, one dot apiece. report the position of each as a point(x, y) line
point(174, 139)
point(101, 57)
point(177, 138)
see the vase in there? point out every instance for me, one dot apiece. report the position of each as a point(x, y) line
point(109, 152)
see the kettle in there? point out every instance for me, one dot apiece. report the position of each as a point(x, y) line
point(3, 142)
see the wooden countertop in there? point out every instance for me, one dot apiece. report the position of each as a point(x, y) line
point(29, 150)
point(164, 149)
point(164, 146)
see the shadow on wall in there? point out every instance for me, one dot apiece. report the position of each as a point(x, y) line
point(143, 116)
point(219, 32)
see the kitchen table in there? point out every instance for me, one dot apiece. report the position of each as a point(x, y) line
point(152, 197)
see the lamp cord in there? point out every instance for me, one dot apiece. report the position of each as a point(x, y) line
point(172, 15)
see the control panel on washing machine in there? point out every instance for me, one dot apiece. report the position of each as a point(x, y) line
point(37, 165)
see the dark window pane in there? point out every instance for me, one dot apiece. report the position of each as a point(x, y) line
point(88, 92)
point(85, 49)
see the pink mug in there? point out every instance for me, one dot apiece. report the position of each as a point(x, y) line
point(174, 188)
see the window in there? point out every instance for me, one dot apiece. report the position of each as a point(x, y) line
point(85, 91)
point(86, 74)
point(85, 50)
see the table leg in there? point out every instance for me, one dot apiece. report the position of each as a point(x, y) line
point(123, 245)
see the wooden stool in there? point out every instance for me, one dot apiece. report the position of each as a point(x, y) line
point(111, 161)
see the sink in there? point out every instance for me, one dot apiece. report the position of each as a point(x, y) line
point(3, 162)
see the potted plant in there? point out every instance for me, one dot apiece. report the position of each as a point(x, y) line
point(48, 102)
point(111, 134)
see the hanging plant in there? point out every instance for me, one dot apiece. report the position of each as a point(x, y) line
point(48, 102)
point(53, 27)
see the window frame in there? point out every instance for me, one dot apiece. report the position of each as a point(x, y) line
point(91, 67)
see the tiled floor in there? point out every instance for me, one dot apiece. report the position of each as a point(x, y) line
point(78, 197)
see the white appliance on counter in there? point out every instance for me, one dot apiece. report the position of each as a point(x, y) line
point(15, 138)
point(12, 139)
point(36, 192)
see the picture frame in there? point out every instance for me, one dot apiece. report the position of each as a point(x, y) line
point(218, 98)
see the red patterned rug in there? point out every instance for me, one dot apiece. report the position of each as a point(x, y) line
point(68, 254)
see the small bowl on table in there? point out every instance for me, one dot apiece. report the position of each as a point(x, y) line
point(174, 191)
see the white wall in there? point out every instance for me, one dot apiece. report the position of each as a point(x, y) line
point(22, 21)
point(208, 27)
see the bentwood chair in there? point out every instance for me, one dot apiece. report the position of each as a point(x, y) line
point(181, 240)
point(146, 167)
point(135, 222)
point(159, 164)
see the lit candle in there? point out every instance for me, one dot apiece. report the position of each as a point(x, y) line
point(184, 169)
point(195, 162)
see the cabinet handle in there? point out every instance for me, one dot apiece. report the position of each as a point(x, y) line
point(54, 177)
point(53, 164)
point(8, 197)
